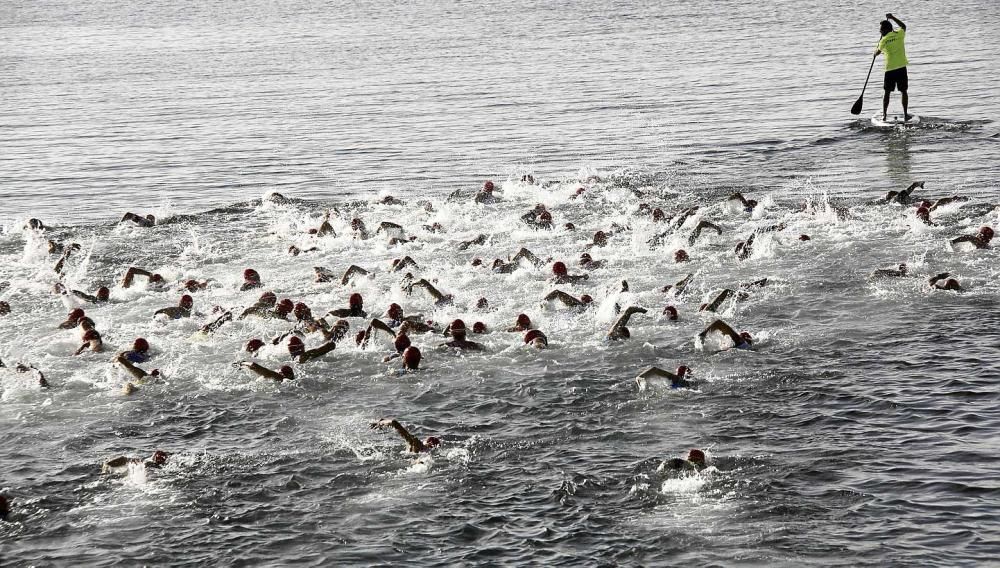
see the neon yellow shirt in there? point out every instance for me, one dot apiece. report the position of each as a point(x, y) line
point(891, 45)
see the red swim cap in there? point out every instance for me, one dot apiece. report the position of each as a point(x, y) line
point(268, 298)
point(600, 237)
point(479, 327)
point(140, 345)
point(586, 299)
point(91, 335)
point(804, 238)
point(186, 301)
point(696, 456)
point(488, 186)
point(401, 342)
point(355, 300)
point(287, 372)
point(457, 325)
point(559, 269)
point(580, 190)
point(253, 345)
point(156, 278)
point(746, 336)
point(523, 320)
point(670, 311)
point(302, 311)
point(285, 306)
point(395, 311)
point(545, 216)
point(160, 457)
point(533, 335)
point(482, 303)
point(356, 223)
point(251, 275)
point(682, 370)
point(432, 442)
point(295, 346)
point(411, 358)
point(569, 227)
point(75, 315)
point(986, 232)
point(103, 293)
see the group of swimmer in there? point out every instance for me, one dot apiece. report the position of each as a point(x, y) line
point(398, 326)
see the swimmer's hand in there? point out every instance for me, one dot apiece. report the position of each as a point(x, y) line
point(383, 423)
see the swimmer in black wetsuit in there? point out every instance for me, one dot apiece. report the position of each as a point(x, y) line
point(413, 444)
point(944, 281)
point(678, 380)
point(157, 460)
point(741, 340)
point(980, 240)
point(285, 373)
point(619, 331)
point(146, 222)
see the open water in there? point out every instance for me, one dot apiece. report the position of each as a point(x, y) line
point(861, 430)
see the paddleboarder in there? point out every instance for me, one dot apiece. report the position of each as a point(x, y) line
point(891, 45)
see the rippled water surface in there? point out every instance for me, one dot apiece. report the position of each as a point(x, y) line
point(860, 430)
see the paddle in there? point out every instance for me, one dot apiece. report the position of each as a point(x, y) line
point(856, 109)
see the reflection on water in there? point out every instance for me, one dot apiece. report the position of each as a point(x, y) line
point(898, 158)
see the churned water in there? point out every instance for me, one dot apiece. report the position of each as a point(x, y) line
point(860, 430)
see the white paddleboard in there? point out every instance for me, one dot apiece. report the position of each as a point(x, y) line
point(894, 121)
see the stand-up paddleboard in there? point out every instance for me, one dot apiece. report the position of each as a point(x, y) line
point(894, 121)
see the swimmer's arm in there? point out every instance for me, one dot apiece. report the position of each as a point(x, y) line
point(351, 271)
point(326, 228)
point(413, 444)
point(131, 273)
point(965, 239)
point(657, 372)
point(527, 254)
point(946, 200)
point(756, 283)
point(317, 352)
point(323, 274)
point(212, 326)
point(739, 196)
point(906, 192)
point(261, 370)
point(388, 226)
point(615, 330)
point(724, 328)
point(379, 325)
point(562, 297)
point(714, 304)
point(933, 279)
point(130, 367)
point(82, 348)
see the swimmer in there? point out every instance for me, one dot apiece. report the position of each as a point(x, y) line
point(479, 328)
point(485, 195)
point(483, 305)
point(131, 368)
point(744, 249)
point(350, 272)
point(715, 303)
point(528, 179)
point(694, 463)
point(101, 297)
point(901, 197)
point(359, 229)
point(679, 220)
point(747, 204)
point(211, 327)
point(944, 281)
point(980, 240)
point(899, 272)
point(413, 444)
point(413, 323)
point(439, 298)
point(39, 377)
point(523, 322)
point(139, 352)
point(741, 340)
point(181, 310)
point(924, 215)
point(323, 274)
point(297, 349)
point(619, 331)
point(678, 380)
point(678, 288)
point(92, 341)
point(35, 225)
point(73, 319)
point(535, 338)
point(390, 200)
point(58, 268)
point(4, 508)
point(251, 280)
point(394, 230)
point(681, 256)
point(754, 284)
point(4, 308)
point(671, 313)
point(566, 299)
point(154, 280)
point(354, 309)
point(947, 201)
point(561, 275)
point(600, 240)
point(156, 461)
point(434, 228)
point(325, 228)
point(285, 373)
point(296, 251)
point(479, 240)
point(588, 262)
point(401, 263)
point(699, 228)
point(457, 331)
point(193, 286)
point(146, 222)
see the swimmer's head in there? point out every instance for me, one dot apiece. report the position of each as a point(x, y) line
point(411, 358)
point(35, 224)
point(356, 301)
point(140, 344)
point(479, 327)
point(580, 191)
point(536, 338)
point(488, 186)
point(658, 214)
point(885, 27)
point(395, 312)
point(545, 216)
point(559, 269)
point(670, 312)
point(745, 336)
point(457, 329)
point(254, 345)
point(682, 371)
point(986, 233)
point(85, 323)
point(156, 278)
point(357, 224)
point(569, 227)
point(284, 307)
point(103, 294)
point(295, 346)
point(600, 238)
point(187, 302)
point(523, 322)
point(91, 335)
point(287, 372)
point(923, 213)
point(432, 442)
point(151, 218)
point(696, 457)
point(740, 246)
point(401, 342)
point(75, 315)
point(268, 299)
point(625, 333)
point(751, 203)
point(497, 263)
point(681, 256)
point(250, 275)
point(585, 258)
point(477, 261)
point(482, 304)
point(586, 299)
point(952, 284)
point(160, 457)
point(804, 238)
point(301, 311)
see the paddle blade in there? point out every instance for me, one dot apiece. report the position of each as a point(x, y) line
point(856, 109)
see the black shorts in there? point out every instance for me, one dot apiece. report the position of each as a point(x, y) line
point(895, 79)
